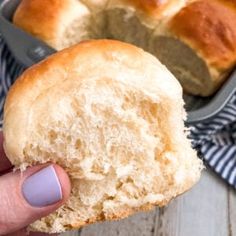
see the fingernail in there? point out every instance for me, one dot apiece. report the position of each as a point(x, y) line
point(42, 188)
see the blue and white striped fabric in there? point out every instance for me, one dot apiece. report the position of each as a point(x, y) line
point(9, 70)
point(214, 140)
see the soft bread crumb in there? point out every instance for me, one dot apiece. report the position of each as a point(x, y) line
point(112, 116)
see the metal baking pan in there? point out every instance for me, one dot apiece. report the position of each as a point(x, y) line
point(28, 50)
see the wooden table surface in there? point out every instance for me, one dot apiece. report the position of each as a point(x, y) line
point(209, 209)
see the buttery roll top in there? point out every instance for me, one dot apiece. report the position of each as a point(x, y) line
point(209, 27)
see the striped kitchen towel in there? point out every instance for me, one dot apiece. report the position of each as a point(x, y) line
point(215, 140)
point(9, 70)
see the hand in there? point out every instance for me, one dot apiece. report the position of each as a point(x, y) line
point(28, 196)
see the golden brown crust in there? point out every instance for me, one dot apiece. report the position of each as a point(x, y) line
point(119, 215)
point(153, 7)
point(210, 28)
point(61, 64)
point(230, 3)
point(40, 18)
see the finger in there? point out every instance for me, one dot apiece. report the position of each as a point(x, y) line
point(26, 197)
point(5, 164)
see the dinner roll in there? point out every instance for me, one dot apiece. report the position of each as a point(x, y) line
point(112, 116)
point(195, 39)
point(54, 21)
point(202, 39)
point(65, 23)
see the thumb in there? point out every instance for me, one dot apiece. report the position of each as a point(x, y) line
point(28, 196)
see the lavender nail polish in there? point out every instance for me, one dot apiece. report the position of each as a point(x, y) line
point(42, 188)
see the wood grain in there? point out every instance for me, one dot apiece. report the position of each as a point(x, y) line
point(232, 212)
point(71, 233)
point(203, 211)
point(209, 209)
